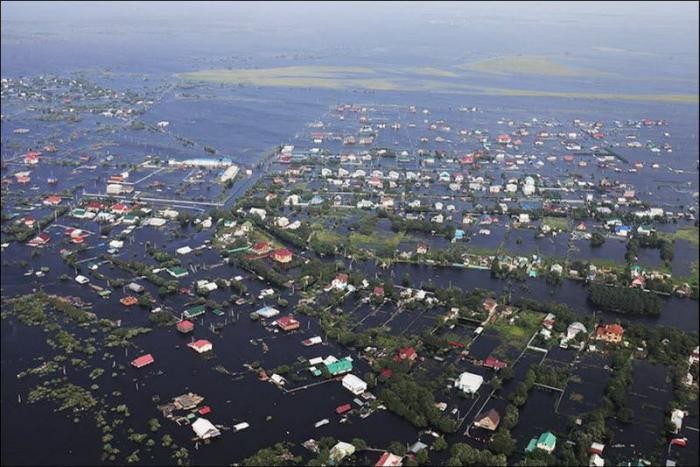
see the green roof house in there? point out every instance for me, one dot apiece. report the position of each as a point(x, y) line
point(195, 311)
point(339, 367)
point(531, 445)
point(130, 218)
point(547, 442)
point(177, 272)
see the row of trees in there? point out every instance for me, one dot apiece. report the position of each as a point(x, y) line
point(625, 300)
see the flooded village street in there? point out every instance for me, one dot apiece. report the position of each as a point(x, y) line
point(310, 258)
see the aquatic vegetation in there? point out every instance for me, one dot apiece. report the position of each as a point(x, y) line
point(68, 395)
point(121, 337)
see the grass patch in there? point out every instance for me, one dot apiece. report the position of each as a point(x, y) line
point(375, 241)
point(689, 234)
point(556, 223)
point(517, 334)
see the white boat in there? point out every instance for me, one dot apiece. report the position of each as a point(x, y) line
point(320, 423)
point(240, 426)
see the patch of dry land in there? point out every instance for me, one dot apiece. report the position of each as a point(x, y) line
point(425, 79)
point(329, 77)
point(530, 65)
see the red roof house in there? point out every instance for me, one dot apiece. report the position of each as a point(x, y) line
point(389, 460)
point(282, 255)
point(503, 139)
point(143, 360)
point(494, 363)
point(201, 346)
point(31, 158)
point(468, 159)
point(261, 248)
point(120, 208)
point(93, 205)
point(39, 240)
point(340, 281)
point(204, 410)
point(185, 326)
point(287, 323)
point(609, 332)
point(53, 200)
point(407, 353)
point(378, 291)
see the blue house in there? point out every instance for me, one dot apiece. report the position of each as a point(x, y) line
point(459, 234)
point(622, 230)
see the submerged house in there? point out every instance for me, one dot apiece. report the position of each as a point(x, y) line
point(488, 420)
point(546, 442)
point(205, 429)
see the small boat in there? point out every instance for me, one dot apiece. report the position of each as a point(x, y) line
point(240, 426)
point(320, 423)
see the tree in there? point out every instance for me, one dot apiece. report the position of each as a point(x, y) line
point(506, 373)
point(502, 442)
point(597, 239)
point(440, 444)
point(397, 448)
point(625, 415)
point(359, 443)
point(511, 416)
point(422, 457)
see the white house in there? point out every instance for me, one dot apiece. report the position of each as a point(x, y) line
point(261, 213)
point(341, 450)
point(469, 382)
point(677, 419)
point(574, 328)
point(354, 384)
point(205, 429)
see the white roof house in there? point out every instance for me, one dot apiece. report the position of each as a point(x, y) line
point(116, 243)
point(354, 384)
point(677, 419)
point(267, 312)
point(469, 382)
point(205, 429)
point(261, 213)
point(574, 328)
point(341, 450)
point(183, 250)
point(81, 279)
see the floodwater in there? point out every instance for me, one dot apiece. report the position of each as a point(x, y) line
point(243, 123)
